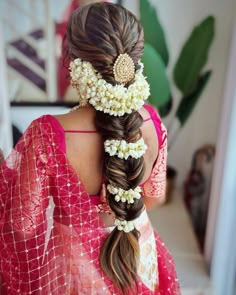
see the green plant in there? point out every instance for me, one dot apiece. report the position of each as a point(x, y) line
point(187, 74)
point(194, 56)
point(156, 37)
point(158, 80)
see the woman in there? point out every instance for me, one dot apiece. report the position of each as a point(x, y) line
point(75, 190)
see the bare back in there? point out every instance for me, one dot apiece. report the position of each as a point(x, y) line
point(85, 150)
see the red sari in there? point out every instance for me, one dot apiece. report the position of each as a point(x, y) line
point(51, 231)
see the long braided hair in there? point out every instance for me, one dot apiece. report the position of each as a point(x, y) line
point(98, 33)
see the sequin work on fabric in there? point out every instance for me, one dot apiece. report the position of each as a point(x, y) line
point(50, 230)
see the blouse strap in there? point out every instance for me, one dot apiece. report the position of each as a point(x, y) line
point(80, 131)
point(156, 121)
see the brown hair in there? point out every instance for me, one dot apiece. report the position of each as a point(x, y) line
point(98, 33)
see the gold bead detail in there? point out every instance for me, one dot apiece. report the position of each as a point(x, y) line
point(124, 69)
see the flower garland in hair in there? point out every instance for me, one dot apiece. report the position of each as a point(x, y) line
point(125, 195)
point(123, 149)
point(124, 225)
point(114, 100)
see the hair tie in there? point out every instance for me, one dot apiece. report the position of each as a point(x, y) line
point(124, 225)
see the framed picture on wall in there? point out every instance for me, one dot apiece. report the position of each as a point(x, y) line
point(36, 67)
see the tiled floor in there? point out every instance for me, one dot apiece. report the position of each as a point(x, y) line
point(173, 224)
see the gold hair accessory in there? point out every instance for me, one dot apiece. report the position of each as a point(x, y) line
point(123, 69)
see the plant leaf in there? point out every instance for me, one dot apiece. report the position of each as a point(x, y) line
point(194, 56)
point(153, 31)
point(188, 103)
point(155, 71)
point(165, 109)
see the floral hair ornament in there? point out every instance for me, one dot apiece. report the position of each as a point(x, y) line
point(114, 100)
point(125, 195)
point(123, 149)
point(124, 225)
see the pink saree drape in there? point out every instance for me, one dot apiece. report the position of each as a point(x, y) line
point(50, 228)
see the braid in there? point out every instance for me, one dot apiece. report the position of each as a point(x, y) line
point(98, 33)
point(125, 174)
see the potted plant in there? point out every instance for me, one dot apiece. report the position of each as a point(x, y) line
point(188, 74)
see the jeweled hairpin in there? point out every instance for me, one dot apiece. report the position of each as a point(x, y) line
point(123, 68)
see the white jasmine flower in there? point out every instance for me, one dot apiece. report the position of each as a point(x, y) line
point(124, 225)
point(125, 195)
point(123, 149)
point(122, 100)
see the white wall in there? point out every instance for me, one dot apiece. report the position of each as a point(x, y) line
point(220, 237)
point(224, 253)
point(23, 23)
point(178, 18)
point(5, 126)
point(22, 116)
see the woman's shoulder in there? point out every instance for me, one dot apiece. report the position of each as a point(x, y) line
point(78, 119)
point(151, 111)
point(159, 125)
point(45, 129)
point(45, 123)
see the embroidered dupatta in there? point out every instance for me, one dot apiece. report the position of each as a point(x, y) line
point(50, 230)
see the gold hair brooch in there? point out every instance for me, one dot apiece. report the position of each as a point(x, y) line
point(123, 69)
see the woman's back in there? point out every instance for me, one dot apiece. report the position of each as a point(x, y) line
point(84, 146)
